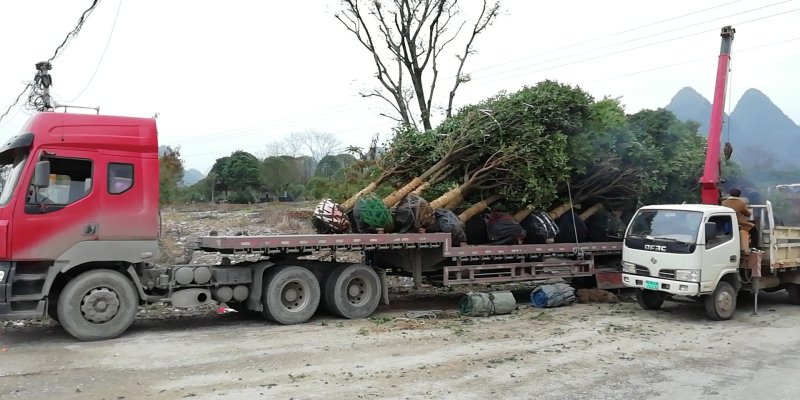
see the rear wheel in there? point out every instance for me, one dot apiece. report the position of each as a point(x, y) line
point(352, 291)
point(649, 299)
point(721, 304)
point(97, 305)
point(794, 293)
point(291, 295)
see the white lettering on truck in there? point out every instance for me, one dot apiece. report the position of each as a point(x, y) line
point(656, 247)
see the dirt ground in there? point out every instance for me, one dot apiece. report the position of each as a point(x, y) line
point(583, 351)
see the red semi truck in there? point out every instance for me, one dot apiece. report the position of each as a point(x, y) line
point(79, 227)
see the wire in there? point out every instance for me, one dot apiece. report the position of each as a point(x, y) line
point(74, 31)
point(694, 60)
point(99, 62)
point(614, 52)
point(19, 96)
point(608, 36)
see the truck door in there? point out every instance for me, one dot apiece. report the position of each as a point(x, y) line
point(720, 253)
point(52, 219)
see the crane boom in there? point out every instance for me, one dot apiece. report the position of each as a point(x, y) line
point(709, 182)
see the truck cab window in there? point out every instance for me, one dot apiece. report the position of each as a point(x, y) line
point(120, 177)
point(70, 181)
point(724, 230)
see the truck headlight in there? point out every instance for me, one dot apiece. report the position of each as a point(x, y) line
point(688, 275)
point(628, 267)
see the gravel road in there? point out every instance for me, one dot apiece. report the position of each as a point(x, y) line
point(584, 351)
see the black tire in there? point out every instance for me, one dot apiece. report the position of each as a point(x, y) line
point(291, 295)
point(721, 304)
point(97, 305)
point(352, 291)
point(649, 299)
point(794, 293)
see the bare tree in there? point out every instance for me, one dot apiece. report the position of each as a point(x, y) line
point(415, 32)
point(318, 144)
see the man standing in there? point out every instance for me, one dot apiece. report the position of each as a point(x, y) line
point(735, 202)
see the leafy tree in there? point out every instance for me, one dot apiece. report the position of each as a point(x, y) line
point(328, 167)
point(170, 167)
point(277, 173)
point(241, 171)
point(406, 39)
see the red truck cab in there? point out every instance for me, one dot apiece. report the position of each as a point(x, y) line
point(79, 191)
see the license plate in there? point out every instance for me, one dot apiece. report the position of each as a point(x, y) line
point(651, 285)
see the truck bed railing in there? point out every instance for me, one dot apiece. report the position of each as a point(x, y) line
point(305, 244)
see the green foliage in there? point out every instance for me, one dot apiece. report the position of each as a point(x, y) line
point(277, 173)
point(170, 167)
point(241, 171)
point(328, 167)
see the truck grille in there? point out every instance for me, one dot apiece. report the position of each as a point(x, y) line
point(667, 273)
point(640, 270)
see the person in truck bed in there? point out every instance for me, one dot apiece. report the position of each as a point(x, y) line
point(735, 202)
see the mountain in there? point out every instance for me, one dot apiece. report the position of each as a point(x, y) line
point(762, 135)
point(191, 176)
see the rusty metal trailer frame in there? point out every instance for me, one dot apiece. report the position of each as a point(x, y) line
point(464, 265)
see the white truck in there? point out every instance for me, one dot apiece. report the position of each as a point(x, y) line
point(692, 252)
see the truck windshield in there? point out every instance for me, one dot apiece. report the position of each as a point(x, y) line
point(10, 172)
point(676, 225)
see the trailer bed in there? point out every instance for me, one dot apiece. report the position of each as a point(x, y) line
point(306, 244)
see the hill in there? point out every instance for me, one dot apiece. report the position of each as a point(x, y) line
point(762, 135)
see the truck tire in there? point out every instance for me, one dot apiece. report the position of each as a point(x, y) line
point(794, 293)
point(352, 291)
point(97, 305)
point(649, 299)
point(291, 295)
point(721, 304)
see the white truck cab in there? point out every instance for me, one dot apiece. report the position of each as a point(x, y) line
point(692, 251)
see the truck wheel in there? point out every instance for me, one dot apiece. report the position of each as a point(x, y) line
point(97, 305)
point(649, 299)
point(721, 304)
point(794, 293)
point(352, 291)
point(291, 295)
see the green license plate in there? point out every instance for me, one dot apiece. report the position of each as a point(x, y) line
point(651, 285)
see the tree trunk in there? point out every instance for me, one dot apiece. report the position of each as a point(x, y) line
point(522, 214)
point(559, 211)
point(432, 172)
point(453, 195)
point(478, 207)
point(394, 198)
point(591, 211)
point(351, 202)
point(425, 185)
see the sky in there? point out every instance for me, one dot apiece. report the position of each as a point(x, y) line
point(241, 74)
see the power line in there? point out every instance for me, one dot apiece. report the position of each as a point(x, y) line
point(641, 38)
point(607, 36)
point(694, 60)
point(57, 51)
point(19, 96)
point(616, 52)
point(74, 31)
point(100, 61)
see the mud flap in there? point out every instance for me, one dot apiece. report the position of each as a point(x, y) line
point(384, 285)
point(5, 269)
point(257, 287)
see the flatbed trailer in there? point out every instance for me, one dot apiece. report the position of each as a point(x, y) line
point(428, 253)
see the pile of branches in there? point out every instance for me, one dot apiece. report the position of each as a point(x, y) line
point(545, 163)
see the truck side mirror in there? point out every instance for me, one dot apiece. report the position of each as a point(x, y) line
point(41, 174)
point(711, 231)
